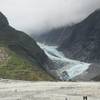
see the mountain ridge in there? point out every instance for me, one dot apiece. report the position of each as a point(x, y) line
point(24, 50)
point(83, 43)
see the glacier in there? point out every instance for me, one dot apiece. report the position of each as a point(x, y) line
point(66, 68)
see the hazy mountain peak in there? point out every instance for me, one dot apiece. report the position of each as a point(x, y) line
point(3, 20)
point(23, 52)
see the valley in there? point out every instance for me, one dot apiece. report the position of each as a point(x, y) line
point(74, 49)
point(27, 90)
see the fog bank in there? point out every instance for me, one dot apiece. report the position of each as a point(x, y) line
point(37, 15)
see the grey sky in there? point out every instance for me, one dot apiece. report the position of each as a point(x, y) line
point(39, 15)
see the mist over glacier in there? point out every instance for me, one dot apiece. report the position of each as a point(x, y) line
point(38, 15)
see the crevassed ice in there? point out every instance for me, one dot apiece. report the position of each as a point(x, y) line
point(72, 67)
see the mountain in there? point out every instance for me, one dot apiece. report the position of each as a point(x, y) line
point(20, 56)
point(80, 41)
point(54, 36)
point(84, 41)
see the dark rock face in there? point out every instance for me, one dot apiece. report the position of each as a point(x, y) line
point(80, 41)
point(55, 36)
point(3, 21)
point(84, 41)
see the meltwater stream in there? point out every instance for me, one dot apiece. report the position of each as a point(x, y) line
point(66, 68)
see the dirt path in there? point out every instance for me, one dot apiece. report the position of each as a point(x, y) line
point(22, 90)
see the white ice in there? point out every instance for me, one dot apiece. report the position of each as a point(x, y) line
point(72, 67)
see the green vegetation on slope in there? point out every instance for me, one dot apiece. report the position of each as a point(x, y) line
point(12, 66)
point(20, 56)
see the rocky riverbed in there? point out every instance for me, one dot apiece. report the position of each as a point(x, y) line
point(27, 90)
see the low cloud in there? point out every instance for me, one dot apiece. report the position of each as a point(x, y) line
point(38, 15)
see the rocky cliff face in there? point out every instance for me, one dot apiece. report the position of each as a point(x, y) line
point(3, 21)
point(25, 48)
point(84, 41)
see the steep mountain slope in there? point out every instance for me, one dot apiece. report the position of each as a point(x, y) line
point(20, 56)
point(80, 41)
point(54, 37)
point(12, 66)
point(84, 41)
